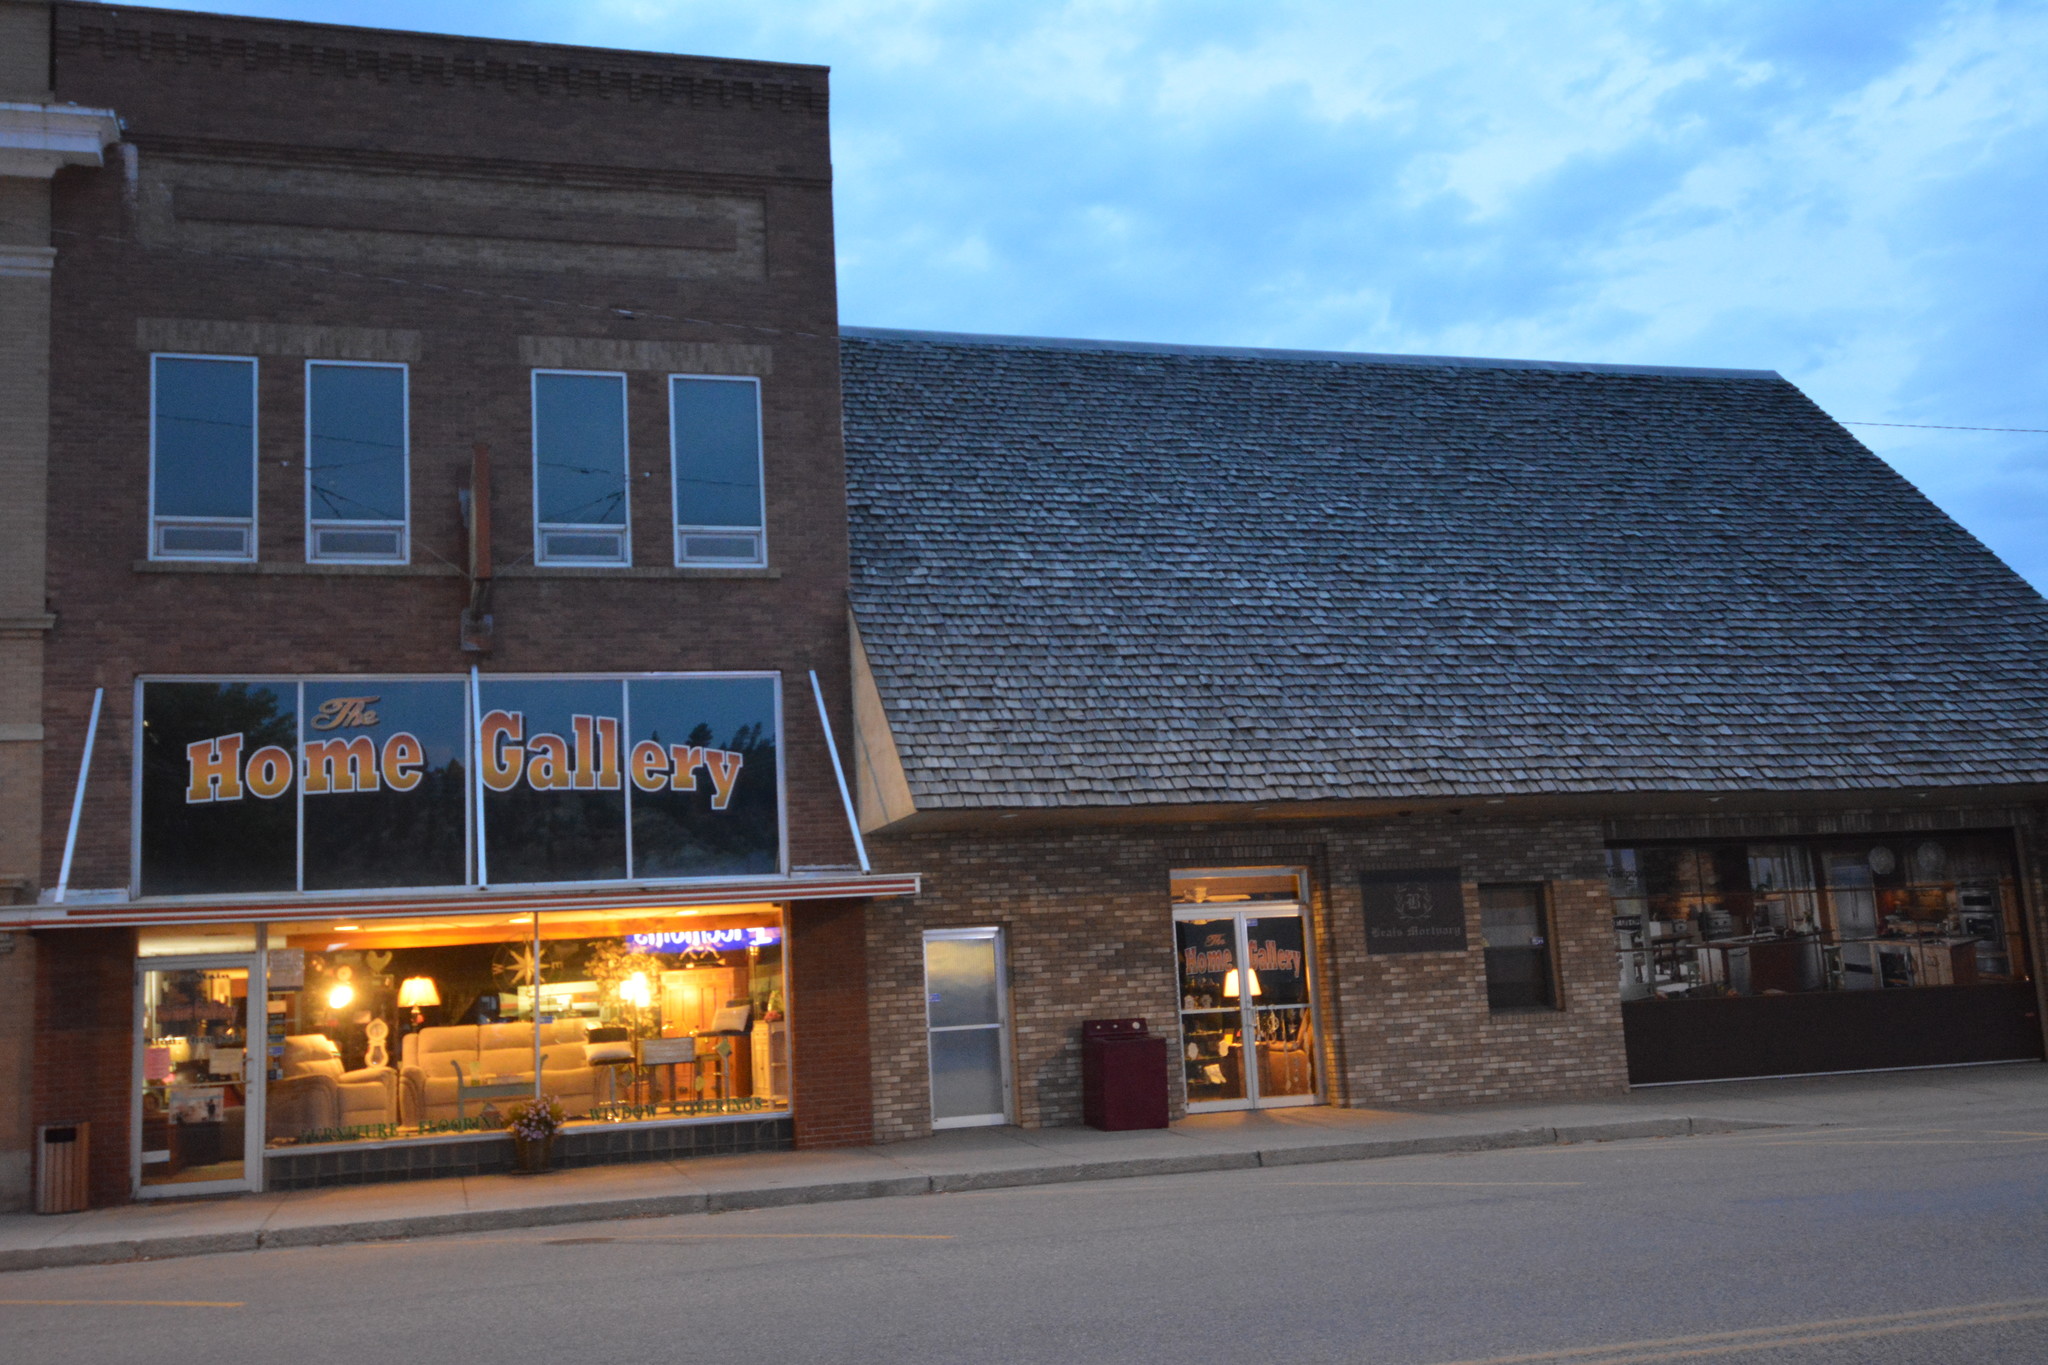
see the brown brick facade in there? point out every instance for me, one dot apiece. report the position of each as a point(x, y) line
point(829, 1046)
point(475, 210)
point(85, 1053)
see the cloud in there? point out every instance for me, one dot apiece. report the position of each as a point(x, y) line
point(1847, 192)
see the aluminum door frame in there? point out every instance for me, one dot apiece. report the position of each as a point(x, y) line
point(255, 1067)
point(1237, 912)
point(993, 933)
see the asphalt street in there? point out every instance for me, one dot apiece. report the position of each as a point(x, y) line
point(1858, 1244)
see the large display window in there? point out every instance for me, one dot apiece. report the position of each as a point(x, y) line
point(1863, 913)
point(381, 1030)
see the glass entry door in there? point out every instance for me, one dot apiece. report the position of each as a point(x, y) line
point(967, 1027)
point(200, 1106)
point(1247, 1029)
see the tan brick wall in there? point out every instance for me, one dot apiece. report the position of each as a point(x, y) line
point(1089, 929)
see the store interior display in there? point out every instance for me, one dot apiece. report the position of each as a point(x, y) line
point(418, 1028)
point(1882, 912)
point(1243, 976)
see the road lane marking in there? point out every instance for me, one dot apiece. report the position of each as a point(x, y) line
point(1452, 1184)
point(120, 1303)
point(1824, 1332)
point(745, 1236)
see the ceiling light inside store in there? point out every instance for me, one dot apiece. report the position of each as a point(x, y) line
point(341, 997)
point(348, 928)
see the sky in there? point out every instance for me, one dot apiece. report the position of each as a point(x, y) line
point(1850, 192)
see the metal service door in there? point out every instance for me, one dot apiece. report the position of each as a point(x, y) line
point(967, 1027)
point(199, 1104)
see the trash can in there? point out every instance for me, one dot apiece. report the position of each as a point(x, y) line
point(63, 1167)
point(1123, 1075)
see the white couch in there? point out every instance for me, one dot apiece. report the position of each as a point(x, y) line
point(496, 1053)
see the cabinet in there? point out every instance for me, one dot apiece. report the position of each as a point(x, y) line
point(771, 1058)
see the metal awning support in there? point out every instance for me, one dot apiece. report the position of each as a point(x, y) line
point(92, 733)
point(845, 797)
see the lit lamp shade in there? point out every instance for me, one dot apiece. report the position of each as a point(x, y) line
point(1230, 987)
point(417, 992)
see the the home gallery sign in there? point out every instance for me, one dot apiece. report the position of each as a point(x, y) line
point(1414, 910)
point(304, 784)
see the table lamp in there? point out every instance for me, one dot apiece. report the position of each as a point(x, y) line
point(415, 993)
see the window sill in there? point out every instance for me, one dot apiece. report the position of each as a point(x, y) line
point(295, 569)
point(629, 571)
point(1525, 1011)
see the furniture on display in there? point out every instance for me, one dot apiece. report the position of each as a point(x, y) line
point(445, 1067)
point(666, 1054)
point(1287, 1066)
point(770, 1055)
point(314, 1092)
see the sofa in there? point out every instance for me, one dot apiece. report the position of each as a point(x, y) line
point(437, 1065)
point(315, 1092)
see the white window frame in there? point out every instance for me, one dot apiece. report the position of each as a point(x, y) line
point(625, 531)
point(404, 527)
point(156, 523)
point(682, 530)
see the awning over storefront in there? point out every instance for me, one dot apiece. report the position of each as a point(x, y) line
point(210, 910)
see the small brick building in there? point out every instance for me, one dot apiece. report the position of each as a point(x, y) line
point(1579, 726)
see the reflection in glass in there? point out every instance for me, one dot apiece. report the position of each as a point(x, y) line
point(960, 982)
point(967, 1073)
point(1286, 1050)
point(194, 1083)
point(1827, 914)
point(205, 438)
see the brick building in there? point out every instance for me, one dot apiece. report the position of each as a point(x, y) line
point(1418, 730)
point(446, 533)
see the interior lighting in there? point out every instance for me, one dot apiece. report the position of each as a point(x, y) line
point(341, 997)
point(1230, 988)
point(635, 991)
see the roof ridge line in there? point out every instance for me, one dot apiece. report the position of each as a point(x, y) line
point(1268, 353)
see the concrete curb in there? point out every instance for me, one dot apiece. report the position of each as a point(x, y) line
point(118, 1250)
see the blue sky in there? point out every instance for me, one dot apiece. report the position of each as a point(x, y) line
point(1852, 192)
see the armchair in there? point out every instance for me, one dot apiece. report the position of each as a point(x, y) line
point(316, 1093)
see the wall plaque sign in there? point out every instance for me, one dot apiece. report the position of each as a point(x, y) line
point(1414, 910)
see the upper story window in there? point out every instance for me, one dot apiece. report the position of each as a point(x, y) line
point(202, 457)
point(579, 468)
point(357, 499)
point(715, 436)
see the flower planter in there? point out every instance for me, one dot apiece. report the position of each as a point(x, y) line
point(531, 1156)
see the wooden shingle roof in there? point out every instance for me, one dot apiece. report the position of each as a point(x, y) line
point(1091, 574)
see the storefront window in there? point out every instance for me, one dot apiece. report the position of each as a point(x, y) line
point(417, 1028)
point(1864, 913)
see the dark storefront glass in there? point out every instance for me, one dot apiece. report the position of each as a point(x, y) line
point(555, 798)
point(387, 787)
point(1854, 913)
point(218, 814)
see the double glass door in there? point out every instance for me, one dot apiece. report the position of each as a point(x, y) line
point(199, 1096)
point(1247, 1029)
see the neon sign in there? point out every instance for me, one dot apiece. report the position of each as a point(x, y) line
point(698, 940)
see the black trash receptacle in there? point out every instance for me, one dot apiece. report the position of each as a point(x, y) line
point(1123, 1075)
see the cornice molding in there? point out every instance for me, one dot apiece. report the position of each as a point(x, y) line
point(561, 78)
point(38, 140)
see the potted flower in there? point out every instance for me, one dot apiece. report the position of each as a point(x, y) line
point(533, 1124)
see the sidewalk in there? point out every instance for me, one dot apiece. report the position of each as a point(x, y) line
point(991, 1158)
